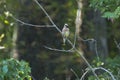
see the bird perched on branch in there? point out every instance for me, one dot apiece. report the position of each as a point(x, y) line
point(65, 33)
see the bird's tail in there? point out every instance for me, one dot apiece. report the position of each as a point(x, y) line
point(64, 40)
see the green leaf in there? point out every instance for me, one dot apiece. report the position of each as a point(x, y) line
point(13, 69)
point(5, 69)
point(109, 15)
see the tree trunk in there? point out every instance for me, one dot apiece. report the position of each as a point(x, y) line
point(100, 34)
point(14, 52)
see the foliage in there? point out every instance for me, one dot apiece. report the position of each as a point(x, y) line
point(113, 65)
point(109, 8)
point(12, 69)
point(6, 29)
point(7, 26)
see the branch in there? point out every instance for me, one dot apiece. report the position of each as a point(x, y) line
point(91, 68)
point(70, 50)
point(93, 40)
point(47, 15)
point(28, 24)
point(101, 68)
point(75, 74)
point(117, 44)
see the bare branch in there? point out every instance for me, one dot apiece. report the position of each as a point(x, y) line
point(28, 24)
point(75, 74)
point(93, 40)
point(70, 50)
point(117, 44)
point(84, 75)
point(91, 68)
point(98, 68)
point(113, 78)
point(47, 15)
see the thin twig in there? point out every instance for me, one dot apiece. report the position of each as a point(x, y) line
point(117, 44)
point(96, 51)
point(84, 75)
point(87, 64)
point(99, 68)
point(47, 15)
point(24, 23)
point(70, 50)
point(113, 78)
point(93, 40)
point(75, 74)
point(28, 24)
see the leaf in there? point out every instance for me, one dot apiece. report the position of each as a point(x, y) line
point(109, 15)
point(5, 69)
point(6, 21)
point(29, 77)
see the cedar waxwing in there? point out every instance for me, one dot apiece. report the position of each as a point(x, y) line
point(65, 33)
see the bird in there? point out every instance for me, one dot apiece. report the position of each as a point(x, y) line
point(65, 33)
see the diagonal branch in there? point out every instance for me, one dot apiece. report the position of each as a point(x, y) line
point(8, 14)
point(28, 24)
point(70, 50)
point(47, 15)
point(98, 68)
point(117, 44)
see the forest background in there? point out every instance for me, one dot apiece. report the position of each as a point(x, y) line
point(26, 33)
